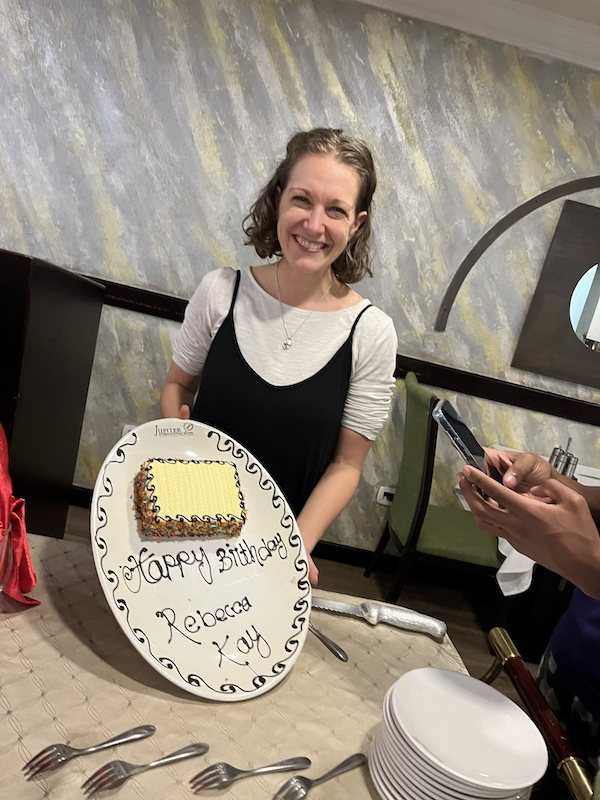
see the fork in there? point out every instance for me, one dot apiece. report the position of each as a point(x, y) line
point(115, 772)
point(222, 774)
point(56, 754)
point(299, 786)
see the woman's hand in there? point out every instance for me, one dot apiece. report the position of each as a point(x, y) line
point(332, 493)
point(313, 572)
point(551, 523)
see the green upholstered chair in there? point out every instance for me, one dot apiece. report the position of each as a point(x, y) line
point(417, 527)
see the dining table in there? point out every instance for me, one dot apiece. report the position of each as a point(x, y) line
point(69, 674)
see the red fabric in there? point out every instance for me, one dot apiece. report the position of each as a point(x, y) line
point(12, 512)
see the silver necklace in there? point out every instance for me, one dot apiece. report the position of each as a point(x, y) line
point(289, 338)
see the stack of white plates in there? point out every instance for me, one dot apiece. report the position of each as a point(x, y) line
point(447, 736)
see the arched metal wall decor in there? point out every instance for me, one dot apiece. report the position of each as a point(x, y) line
point(488, 238)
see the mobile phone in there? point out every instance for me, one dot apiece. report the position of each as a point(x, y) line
point(463, 439)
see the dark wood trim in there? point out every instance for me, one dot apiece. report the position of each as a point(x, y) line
point(165, 306)
point(457, 380)
point(144, 301)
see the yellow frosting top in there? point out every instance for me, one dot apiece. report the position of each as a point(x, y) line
point(195, 488)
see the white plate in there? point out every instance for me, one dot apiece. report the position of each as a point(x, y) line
point(397, 772)
point(216, 622)
point(418, 783)
point(381, 784)
point(396, 782)
point(437, 772)
point(398, 764)
point(399, 755)
point(392, 734)
point(469, 729)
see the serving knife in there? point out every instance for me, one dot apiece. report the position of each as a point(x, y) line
point(400, 617)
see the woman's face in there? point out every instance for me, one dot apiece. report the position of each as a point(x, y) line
point(317, 213)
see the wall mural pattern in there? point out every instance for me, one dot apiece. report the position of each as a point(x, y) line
point(135, 134)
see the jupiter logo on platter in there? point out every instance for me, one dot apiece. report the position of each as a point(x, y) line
point(186, 429)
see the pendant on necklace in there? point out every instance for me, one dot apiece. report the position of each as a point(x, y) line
point(287, 344)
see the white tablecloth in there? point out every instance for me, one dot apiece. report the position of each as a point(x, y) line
point(68, 674)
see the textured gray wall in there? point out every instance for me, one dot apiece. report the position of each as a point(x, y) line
point(134, 135)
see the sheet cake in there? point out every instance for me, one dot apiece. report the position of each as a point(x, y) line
point(177, 497)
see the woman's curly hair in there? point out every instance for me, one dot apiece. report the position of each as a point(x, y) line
point(260, 226)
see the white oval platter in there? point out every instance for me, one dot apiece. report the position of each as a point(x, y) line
point(224, 618)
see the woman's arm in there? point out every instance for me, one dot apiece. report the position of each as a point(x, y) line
point(203, 316)
point(333, 492)
point(178, 393)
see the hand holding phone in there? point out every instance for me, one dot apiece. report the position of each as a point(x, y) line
point(463, 439)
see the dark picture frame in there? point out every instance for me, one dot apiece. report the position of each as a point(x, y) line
point(548, 344)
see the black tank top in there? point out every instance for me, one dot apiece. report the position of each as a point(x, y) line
point(292, 430)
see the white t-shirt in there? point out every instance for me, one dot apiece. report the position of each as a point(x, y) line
point(260, 335)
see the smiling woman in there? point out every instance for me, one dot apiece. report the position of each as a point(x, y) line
point(286, 357)
point(317, 216)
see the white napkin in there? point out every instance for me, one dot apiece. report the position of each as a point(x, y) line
point(516, 572)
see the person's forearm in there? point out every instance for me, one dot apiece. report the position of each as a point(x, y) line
point(585, 574)
point(327, 500)
point(179, 391)
point(172, 397)
point(591, 494)
point(590, 582)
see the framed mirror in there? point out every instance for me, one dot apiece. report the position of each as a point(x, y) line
point(558, 336)
point(584, 309)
